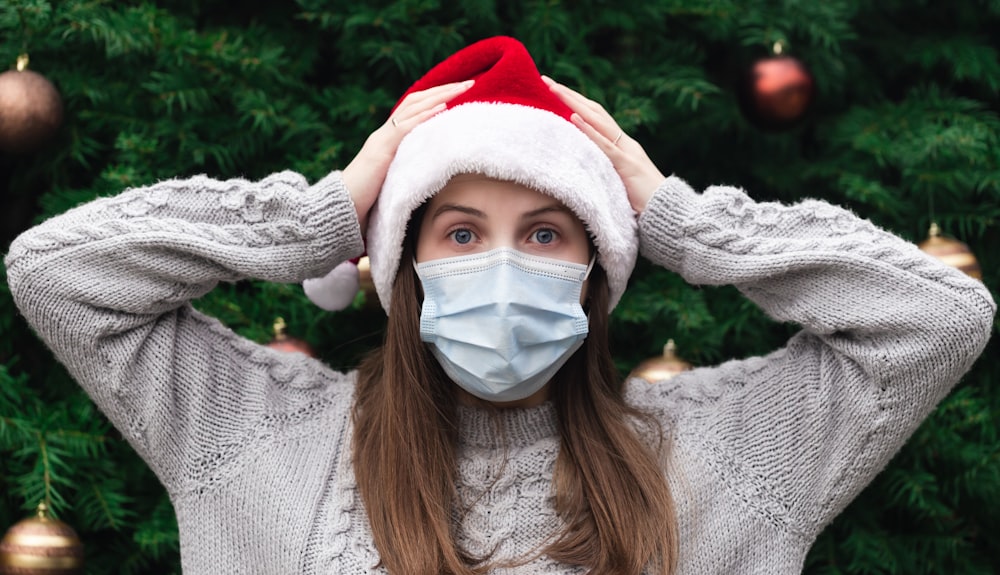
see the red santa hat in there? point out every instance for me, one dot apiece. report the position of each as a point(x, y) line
point(508, 126)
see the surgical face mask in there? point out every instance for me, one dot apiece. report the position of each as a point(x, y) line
point(502, 323)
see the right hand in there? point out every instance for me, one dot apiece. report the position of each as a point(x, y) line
point(363, 177)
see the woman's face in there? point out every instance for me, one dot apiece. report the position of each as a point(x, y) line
point(474, 214)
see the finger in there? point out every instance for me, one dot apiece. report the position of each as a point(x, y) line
point(416, 97)
point(403, 126)
point(603, 142)
point(591, 111)
point(600, 119)
point(570, 94)
point(417, 102)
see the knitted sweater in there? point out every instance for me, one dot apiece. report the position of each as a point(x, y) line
point(253, 445)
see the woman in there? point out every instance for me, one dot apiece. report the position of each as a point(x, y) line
point(499, 211)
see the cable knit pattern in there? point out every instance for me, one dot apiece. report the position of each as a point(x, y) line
point(254, 445)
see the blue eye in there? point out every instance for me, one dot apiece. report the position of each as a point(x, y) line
point(545, 236)
point(462, 236)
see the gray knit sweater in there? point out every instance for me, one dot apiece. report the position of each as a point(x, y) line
point(253, 444)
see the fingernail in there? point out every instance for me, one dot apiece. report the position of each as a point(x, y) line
point(466, 84)
point(548, 81)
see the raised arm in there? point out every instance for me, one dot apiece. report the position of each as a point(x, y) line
point(887, 331)
point(107, 286)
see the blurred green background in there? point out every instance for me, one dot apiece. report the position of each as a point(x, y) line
point(903, 129)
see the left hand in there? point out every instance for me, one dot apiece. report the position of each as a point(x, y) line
point(364, 176)
point(637, 171)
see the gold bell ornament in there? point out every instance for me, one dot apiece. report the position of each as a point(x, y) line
point(41, 545)
point(951, 251)
point(657, 369)
point(282, 342)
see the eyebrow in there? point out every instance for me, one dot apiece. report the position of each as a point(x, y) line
point(546, 209)
point(443, 208)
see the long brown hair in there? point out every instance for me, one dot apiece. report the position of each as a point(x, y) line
point(610, 489)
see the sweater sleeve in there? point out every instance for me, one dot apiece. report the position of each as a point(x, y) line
point(107, 286)
point(886, 332)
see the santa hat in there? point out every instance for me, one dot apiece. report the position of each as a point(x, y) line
point(508, 126)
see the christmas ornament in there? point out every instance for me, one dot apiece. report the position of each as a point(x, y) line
point(662, 368)
point(951, 252)
point(41, 545)
point(776, 91)
point(367, 284)
point(30, 109)
point(365, 279)
point(282, 342)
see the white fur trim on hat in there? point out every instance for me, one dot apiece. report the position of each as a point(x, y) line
point(511, 142)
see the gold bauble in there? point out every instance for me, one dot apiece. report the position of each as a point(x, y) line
point(31, 109)
point(41, 545)
point(282, 342)
point(366, 283)
point(365, 276)
point(951, 251)
point(662, 368)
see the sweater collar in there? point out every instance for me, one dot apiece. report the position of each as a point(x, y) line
point(514, 427)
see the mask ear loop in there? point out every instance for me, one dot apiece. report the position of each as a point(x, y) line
point(590, 266)
point(586, 276)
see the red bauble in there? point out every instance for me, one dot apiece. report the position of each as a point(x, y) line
point(282, 342)
point(776, 93)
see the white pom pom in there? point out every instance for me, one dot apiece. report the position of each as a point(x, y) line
point(336, 290)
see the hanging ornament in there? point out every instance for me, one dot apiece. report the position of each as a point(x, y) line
point(41, 545)
point(282, 342)
point(366, 283)
point(950, 251)
point(31, 109)
point(657, 369)
point(776, 91)
point(365, 278)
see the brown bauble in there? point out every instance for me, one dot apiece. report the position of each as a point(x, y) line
point(41, 545)
point(776, 92)
point(31, 110)
point(282, 342)
point(662, 368)
point(951, 252)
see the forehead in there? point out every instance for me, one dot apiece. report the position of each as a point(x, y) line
point(489, 193)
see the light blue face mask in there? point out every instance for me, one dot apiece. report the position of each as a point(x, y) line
point(502, 323)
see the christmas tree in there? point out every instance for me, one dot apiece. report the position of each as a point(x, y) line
point(903, 129)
